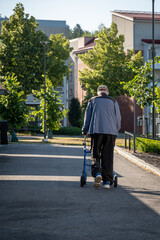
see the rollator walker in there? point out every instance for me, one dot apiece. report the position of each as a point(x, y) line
point(87, 164)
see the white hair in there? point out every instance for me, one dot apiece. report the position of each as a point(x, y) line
point(102, 89)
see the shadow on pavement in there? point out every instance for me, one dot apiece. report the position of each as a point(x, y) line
point(62, 209)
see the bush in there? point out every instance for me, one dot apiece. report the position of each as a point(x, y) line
point(148, 145)
point(68, 131)
point(75, 113)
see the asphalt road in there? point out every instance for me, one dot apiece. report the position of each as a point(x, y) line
point(41, 197)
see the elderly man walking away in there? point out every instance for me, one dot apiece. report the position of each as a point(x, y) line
point(102, 121)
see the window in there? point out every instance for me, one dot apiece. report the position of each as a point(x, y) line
point(158, 51)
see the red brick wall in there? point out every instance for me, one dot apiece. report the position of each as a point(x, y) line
point(126, 105)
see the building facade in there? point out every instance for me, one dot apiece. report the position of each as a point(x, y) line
point(137, 30)
point(49, 26)
point(79, 46)
point(136, 26)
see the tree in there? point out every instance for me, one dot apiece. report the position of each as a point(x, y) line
point(157, 102)
point(76, 32)
point(75, 113)
point(107, 63)
point(54, 108)
point(58, 51)
point(100, 28)
point(140, 88)
point(21, 52)
point(12, 105)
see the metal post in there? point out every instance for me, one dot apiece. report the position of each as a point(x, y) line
point(44, 44)
point(125, 137)
point(129, 142)
point(134, 143)
point(44, 91)
point(153, 53)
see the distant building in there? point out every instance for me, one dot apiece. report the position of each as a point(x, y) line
point(80, 46)
point(135, 26)
point(53, 27)
point(50, 26)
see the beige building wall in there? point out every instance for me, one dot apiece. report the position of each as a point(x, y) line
point(81, 92)
point(143, 30)
point(74, 85)
point(135, 31)
point(125, 27)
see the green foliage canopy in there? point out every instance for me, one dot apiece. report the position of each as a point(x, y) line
point(58, 51)
point(54, 108)
point(21, 52)
point(157, 103)
point(140, 86)
point(107, 63)
point(12, 105)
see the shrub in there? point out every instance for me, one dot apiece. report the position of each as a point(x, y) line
point(68, 131)
point(148, 145)
point(75, 113)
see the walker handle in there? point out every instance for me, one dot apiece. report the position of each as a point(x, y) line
point(85, 137)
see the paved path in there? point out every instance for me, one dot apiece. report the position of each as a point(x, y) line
point(41, 197)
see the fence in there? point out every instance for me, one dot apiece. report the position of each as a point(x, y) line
point(128, 135)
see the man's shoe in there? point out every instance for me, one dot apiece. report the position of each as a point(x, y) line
point(106, 185)
point(97, 181)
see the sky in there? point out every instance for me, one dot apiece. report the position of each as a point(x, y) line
point(88, 13)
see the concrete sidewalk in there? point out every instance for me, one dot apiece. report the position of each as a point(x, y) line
point(139, 162)
point(41, 197)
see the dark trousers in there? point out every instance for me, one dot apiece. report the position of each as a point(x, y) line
point(102, 153)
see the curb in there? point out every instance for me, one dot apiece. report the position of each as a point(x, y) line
point(139, 162)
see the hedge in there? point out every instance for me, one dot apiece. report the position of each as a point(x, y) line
point(68, 131)
point(148, 145)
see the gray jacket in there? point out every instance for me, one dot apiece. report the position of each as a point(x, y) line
point(102, 116)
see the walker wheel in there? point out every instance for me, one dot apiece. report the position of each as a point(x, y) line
point(115, 181)
point(82, 182)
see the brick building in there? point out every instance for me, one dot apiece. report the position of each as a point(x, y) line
point(137, 30)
